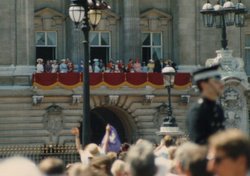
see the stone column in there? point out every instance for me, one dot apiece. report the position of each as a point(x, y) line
point(233, 99)
point(131, 30)
point(7, 34)
point(25, 43)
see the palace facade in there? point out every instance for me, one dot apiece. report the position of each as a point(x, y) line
point(145, 29)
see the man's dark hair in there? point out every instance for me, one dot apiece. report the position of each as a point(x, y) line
point(233, 143)
point(125, 147)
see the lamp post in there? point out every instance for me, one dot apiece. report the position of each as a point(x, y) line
point(223, 14)
point(169, 125)
point(81, 13)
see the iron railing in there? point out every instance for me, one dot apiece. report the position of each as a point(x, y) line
point(36, 153)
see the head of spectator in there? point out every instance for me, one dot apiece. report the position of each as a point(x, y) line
point(92, 150)
point(82, 170)
point(229, 153)
point(112, 156)
point(141, 160)
point(122, 156)
point(102, 164)
point(52, 166)
point(76, 169)
point(18, 166)
point(39, 60)
point(168, 141)
point(125, 147)
point(191, 160)
point(118, 168)
point(181, 141)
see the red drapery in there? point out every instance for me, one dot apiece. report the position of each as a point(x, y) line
point(110, 80)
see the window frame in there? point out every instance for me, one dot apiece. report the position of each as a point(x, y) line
point(100, 43)
point(46, 39)
point(99, 39)
point(247, 49)
point(151, 46)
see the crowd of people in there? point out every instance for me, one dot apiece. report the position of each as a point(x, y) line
point(98, 66)
point(227, 154)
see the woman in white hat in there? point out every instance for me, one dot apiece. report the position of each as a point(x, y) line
point(63, 67)
point(39, 66)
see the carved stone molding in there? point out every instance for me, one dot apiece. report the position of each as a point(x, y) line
point(76, 99)
point(48, 19)
point(113, 99)
point(53, 122)
point(154, 19)
point(232, 104)
point(148, 99)
point(185, 99)
point(37, 99)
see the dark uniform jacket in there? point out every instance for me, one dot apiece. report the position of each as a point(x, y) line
point(205, 118)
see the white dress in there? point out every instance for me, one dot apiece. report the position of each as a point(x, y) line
point(39, 68)
point(54, 68)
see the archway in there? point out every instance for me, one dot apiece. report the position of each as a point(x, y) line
point(101, 116)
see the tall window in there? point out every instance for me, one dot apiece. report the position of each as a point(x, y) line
point(247, 53)
point(100, 44)
point(151, 46)
point(46, 43)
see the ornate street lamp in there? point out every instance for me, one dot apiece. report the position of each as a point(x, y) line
point(169, 125)
point(82, 12)
point(223, 14)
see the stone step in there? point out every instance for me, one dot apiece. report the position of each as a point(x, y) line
point(24, 133)
point(22, 113)
point(142, 112)
point(146, 125)
point(19, 126)
point(144, 118)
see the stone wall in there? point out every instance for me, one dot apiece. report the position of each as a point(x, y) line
point(46, 117)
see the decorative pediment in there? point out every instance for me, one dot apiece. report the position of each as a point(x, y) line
point(48, 18)
point(155, 13)
point(110, 14)
point(48, 12)
point(108, 18)
point(154, 19)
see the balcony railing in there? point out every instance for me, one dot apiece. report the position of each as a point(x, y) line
point(109, 80)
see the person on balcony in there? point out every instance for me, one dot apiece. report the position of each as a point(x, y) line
point(144, 67)
point(117, 70)
point(54, 67)
point(101, 65)
point(130, 66)
point(121, 66)
point(63, 66)
point(39, 66)
point(157, 67)
point(110, 67)
point(48, 67)
point(137, 65)
point(96, 66)
point(90, 67)
point(70, 66)
point(151, 66)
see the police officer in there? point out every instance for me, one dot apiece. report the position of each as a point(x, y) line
point(206, 117)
